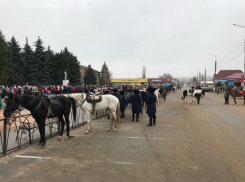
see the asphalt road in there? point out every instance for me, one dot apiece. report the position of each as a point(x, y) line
point(190, 143)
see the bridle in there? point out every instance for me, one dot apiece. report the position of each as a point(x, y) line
point(20, 106)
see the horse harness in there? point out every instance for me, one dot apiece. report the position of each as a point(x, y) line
point(92, 99)
point(20, 106)
point(50, 102)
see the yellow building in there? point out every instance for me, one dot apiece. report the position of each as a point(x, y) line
point(129, 81)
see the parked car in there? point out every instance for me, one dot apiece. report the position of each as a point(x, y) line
point(207, 88)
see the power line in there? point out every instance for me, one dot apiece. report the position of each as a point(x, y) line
point(237, 64)
point(232, 59)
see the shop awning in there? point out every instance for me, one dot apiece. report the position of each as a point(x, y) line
point(222, 80)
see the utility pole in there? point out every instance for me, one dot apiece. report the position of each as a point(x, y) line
point(244, 65)
point(215, 67)
point(205, 76)
point(197, 78)
point(244, 56)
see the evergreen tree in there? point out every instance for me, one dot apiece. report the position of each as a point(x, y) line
point(30, 64)
point(3, 42)
point(15, 63)
point(4, 65)
point(50, 57)
point(3, 60)
point(75, 76)
point(89, 77)
point(43, 77)
point(57, 69)
point(105, 75)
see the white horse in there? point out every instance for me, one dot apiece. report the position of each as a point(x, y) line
point(186, 93)
point(109, 102)
point(157, 94)
point(196, 92)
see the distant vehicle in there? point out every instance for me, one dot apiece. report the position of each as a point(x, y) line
point(207, 87)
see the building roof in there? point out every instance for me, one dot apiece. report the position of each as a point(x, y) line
point(235, 76)
point(86, 67)
point(223, 74)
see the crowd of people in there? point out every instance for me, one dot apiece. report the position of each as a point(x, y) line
point(106, 89)
point(58, 89)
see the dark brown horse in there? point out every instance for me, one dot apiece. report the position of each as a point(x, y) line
point(234, 93)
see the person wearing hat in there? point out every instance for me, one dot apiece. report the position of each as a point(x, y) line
point(123, 103)
point(151, 106)
point(114, 92)
point(136, 104)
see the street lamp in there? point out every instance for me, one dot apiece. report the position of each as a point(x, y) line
point(205, 73)
point(199, 75)
point(214, 68)
point(22, 52)
point(244, 55)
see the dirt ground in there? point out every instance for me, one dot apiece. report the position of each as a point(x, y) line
point(190, 142)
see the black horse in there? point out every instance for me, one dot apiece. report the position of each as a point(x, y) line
point(144, 95)
point(39, 112)
point(117, 95)
point(129, 98)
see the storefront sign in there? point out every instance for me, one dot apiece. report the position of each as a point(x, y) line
point(156, 80)
point(141, 80)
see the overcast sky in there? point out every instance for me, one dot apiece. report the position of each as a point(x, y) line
point(167, 36)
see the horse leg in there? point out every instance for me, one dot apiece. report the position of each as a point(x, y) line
point(234, 97)
point(111, 123)
point(42, 128)
point(88, 113)
point(67, 126)
point(40, 132)
point(114, 114)
point(62, 122)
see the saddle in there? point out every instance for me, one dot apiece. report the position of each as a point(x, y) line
point(50, 102)
point(93, 99)
point(236, 92)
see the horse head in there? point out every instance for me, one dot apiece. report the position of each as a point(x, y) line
point(12, 104)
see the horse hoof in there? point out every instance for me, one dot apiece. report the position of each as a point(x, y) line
point(59, 137)
point(115, 129)
point(87, 132)
point(109, 129)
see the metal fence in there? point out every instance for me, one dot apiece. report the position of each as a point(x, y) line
point(21, 130)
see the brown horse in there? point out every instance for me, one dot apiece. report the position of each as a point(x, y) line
point(235, 94)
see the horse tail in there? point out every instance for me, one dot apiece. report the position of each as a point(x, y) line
point(74, 107)
point(118, 114)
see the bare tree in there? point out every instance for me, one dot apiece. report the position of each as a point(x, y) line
point(166, 75)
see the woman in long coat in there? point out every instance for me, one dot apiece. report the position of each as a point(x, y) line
point(123, 103)
point(151, 106)
point(136, 105)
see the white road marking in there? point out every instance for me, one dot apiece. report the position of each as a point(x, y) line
point(125, 137)
point(195, 168)
point(115, 162)
point(31, 157)
point(107, 124)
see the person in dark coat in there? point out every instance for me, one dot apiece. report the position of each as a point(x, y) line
point(117, 95)
point(123, 103)
point(136, 105)
point(164, 94)
point(151, 106)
